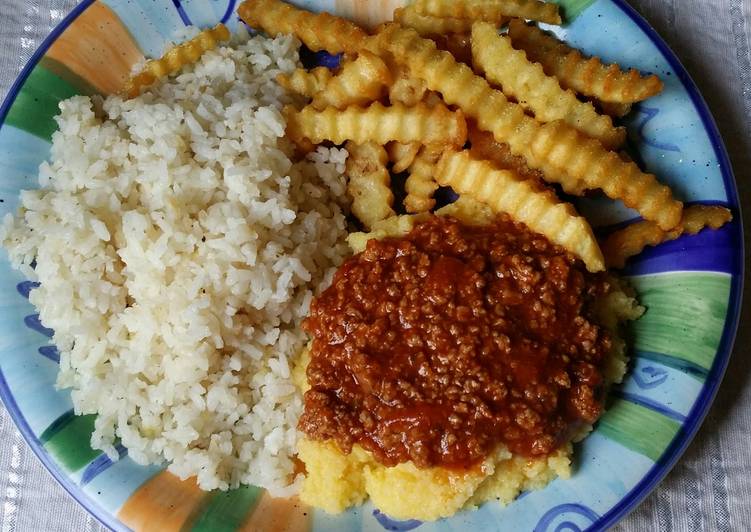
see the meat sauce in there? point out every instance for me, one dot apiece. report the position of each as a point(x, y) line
point(437, 346)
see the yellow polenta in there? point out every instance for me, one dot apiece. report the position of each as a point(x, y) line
point(335, 481)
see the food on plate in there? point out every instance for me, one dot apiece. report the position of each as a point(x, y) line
point(320, 31)
point(520, 78)
point(575, 160)
point(432, 98)
point(421, 183)
point(484, 146)
point(466, 210)
point(624, 243)
point(587, 76)
point(178, 243)
point(614, 109)
point(429, 25)
point(368, 182)
point(490, 10)
point(538, 209)
point(406, 89)
point(402, 155)
point(306, 83)
point(563, 154)
point(378, 123)
point(452, 365)
point(187, 239)
point(175, 59)
point(360, 82)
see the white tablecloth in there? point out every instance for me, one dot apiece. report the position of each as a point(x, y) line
point(709, 489)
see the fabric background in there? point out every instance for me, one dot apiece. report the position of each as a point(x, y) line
point(710, 487)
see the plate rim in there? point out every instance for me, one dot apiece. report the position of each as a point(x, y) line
point(704, 401)
point(695, 418)
point(108, 519)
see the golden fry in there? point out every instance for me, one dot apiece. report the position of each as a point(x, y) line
point(432, 98)
point(306, 82)
point(421, 184)
point(541, 94)
point(369, 182)
point(616, 110)
point(469, 211)
point(378, 124)
point(490, 10)
point(484, 146)
point(394, 226)
point(563, 154)
point(175, 59)
point(631, 240)
point(587, 76)
point(359, 82)
point(503, 191)
point(406, 89)
point(427, 25)
point(402, 155)
point(321, 31)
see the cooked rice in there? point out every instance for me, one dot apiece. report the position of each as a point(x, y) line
point(178, 248)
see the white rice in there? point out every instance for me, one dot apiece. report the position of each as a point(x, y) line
point(178, 248)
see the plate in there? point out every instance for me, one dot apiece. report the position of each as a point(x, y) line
point(691, 286)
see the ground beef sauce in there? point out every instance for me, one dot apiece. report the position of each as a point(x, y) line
point(440, 345)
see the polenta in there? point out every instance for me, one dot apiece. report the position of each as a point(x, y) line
point(336, 480)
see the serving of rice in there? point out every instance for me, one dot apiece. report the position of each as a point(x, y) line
point(178, 247)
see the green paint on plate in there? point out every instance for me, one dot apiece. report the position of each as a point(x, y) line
point(638, 428)
point(67, 439)
point(572, 8)
point(226, 511)
point(685, 315)
point(63, 72)
point(37, 102)
point(686, 367)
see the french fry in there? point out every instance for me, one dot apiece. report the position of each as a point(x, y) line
point(394, 226)
point(484, 146)
point(402, 155)
point(535, 91)
point(406, 89)
point(321, 31)
point(490, 10)
point(563, 154)
point(307, 83)
point(504, 192)
point(359, 82)
point(432, 98)
point(378, 124)
point(175, 59)
point(620, 245)
point(421, 184)
point(587, 76)
point(369, 182)
point(616, 110)
point(427, 25)
point(469, 211)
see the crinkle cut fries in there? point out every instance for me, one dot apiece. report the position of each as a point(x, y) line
point(400, 99)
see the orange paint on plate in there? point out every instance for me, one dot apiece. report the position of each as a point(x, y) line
point(278, 515)
point(163, 504)
point(98, 48)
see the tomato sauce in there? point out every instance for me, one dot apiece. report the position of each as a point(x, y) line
point(438, 346)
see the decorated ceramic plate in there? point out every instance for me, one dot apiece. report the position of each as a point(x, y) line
point(680, 347)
